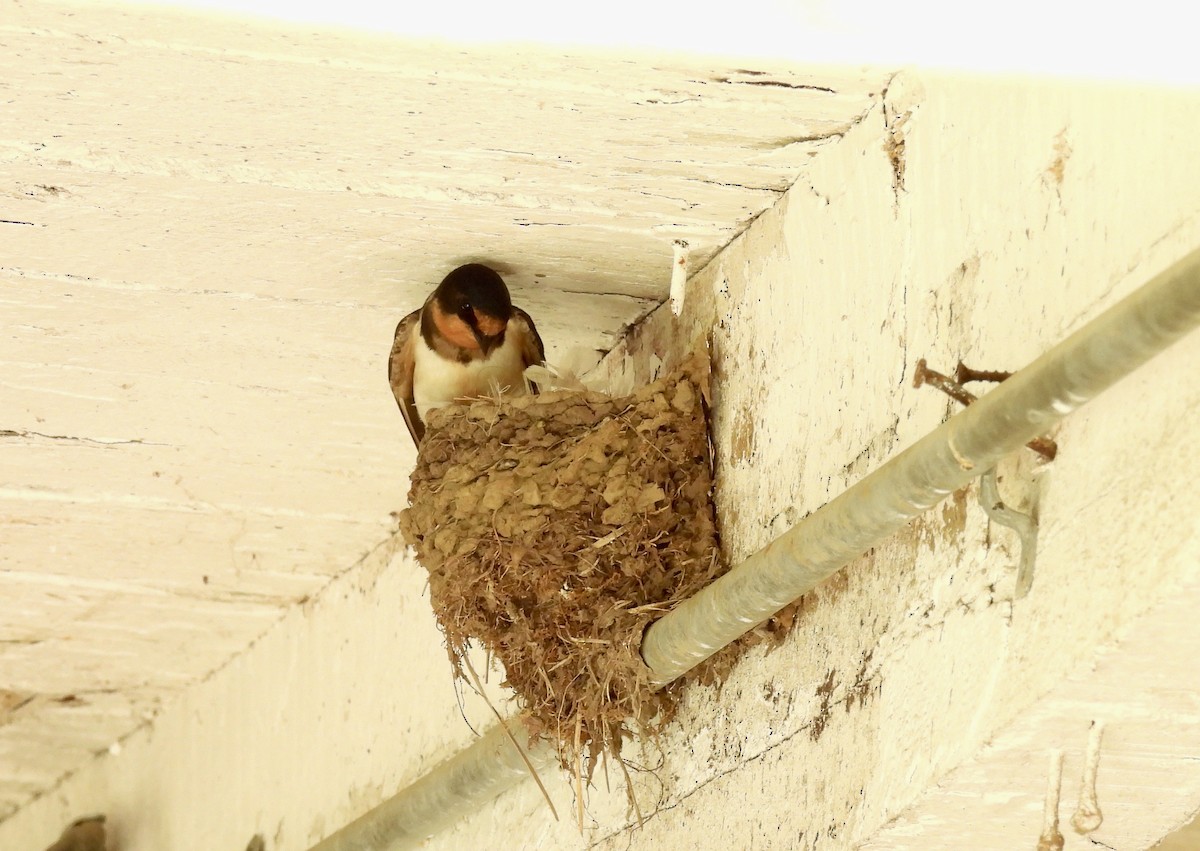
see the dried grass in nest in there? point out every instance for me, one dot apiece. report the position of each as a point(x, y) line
point(554, 529)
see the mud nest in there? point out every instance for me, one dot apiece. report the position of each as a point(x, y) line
point(554, 529)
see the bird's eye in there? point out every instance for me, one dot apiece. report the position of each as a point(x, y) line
point(464, 310)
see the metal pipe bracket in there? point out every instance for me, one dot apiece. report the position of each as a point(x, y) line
point(1025, 525)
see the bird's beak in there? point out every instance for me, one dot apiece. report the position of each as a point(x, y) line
point(487, 344)
point(480, 327)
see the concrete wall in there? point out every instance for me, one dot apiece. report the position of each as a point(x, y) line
point(961, 218)
point(973, 219)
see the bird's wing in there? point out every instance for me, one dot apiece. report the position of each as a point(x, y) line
point(400, 372)
point(532, 350)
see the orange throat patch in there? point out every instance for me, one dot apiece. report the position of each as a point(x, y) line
point(454, 329)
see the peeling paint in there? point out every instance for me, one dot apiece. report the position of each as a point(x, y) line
point(742, 438)
point(1062, 153)
point(915, 640)
point(818, 723)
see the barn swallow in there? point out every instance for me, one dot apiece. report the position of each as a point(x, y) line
point(85, 834)
point(466, 340)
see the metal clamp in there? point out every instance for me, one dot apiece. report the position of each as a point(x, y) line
point(1025, 526)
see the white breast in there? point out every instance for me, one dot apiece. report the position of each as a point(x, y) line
point(438, 382)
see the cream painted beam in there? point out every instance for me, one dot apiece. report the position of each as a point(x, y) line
point(961, 218)
point(208, 231)
point(1145, 689)
point(973, 219)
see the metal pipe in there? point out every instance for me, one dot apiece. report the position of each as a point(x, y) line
point(967, 445)
point(472, 777)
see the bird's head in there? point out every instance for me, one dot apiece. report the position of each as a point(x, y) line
point(472, 307)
